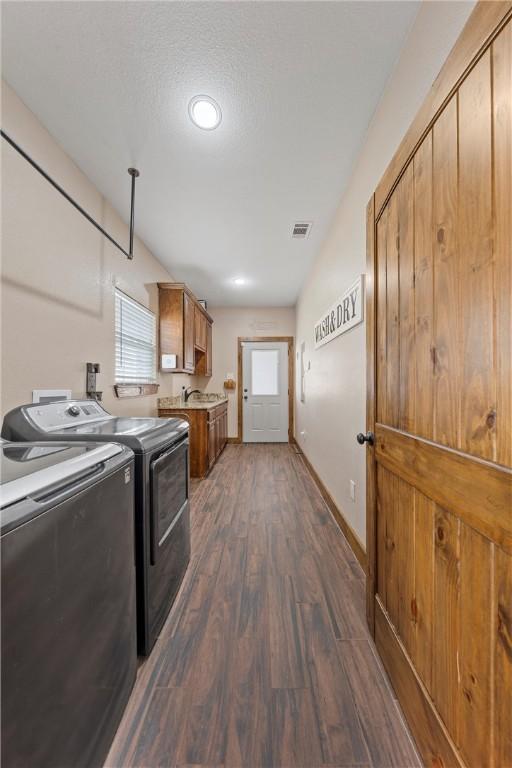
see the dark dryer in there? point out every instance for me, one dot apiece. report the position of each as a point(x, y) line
point(162, 518)
point(69, 652)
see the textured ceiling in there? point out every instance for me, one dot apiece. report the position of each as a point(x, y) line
point(297, 83)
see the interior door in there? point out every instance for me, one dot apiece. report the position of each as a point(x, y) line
point(265, 391)
point(439, 470)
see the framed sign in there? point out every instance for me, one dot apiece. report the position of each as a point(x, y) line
point(344, 314)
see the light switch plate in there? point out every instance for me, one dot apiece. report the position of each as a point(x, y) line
point(168, 361)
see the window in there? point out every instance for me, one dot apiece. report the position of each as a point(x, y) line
point(265, 371)
point(135, 342)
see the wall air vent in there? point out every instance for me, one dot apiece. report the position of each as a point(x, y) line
point(263, 325)
point(301, 229)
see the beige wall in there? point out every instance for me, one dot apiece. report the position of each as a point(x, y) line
point(334, 409)
point(228, 324)
point(58, 279)
point(59, 273)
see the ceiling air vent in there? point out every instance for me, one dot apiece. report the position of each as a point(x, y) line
point(301, 229)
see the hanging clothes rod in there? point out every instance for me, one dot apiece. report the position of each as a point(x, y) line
point(132, 171)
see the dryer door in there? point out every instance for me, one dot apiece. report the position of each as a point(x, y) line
point(169, 494)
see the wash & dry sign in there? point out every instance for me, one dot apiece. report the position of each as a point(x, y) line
point(343, 315)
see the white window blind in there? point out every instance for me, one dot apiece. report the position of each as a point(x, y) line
point(135, 342)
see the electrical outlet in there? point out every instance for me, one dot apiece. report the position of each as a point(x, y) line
point(352, 490)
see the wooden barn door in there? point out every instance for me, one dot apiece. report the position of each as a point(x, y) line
point(440, 407)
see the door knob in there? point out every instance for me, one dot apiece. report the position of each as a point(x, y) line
point(245, 397)
point(362, 439)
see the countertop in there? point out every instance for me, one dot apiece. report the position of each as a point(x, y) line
point(175, 404)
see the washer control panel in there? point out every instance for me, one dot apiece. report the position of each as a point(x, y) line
point(51, 417)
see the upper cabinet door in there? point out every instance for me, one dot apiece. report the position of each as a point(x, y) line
point(209, 330)
point(200, 329)
point(188, 333)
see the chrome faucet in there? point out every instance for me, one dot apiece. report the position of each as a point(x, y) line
point(189, 392)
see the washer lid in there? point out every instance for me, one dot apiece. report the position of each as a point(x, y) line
point(121, 426)
point(28, 468)
point(139, 434)
point(72, 420)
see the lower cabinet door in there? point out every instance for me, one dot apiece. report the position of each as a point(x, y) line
point(212, 447)
point(217, 436)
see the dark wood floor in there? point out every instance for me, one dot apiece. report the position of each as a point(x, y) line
point(265, 659)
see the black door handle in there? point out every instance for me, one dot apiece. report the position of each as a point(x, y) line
point(245, 397)
point(368, 438)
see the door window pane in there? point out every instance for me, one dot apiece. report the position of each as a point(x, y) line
point(265, 371)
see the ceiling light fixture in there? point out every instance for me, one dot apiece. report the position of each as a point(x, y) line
point(239, 280)
point(204, 112)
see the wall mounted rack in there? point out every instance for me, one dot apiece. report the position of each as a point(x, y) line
point(133, 172)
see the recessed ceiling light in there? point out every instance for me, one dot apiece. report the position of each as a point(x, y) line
point(205, 112)
point(239, 280)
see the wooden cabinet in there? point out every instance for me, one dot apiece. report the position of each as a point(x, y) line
point(185, 331)
point(208, 434)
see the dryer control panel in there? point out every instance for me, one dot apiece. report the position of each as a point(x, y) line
point(51, 417)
